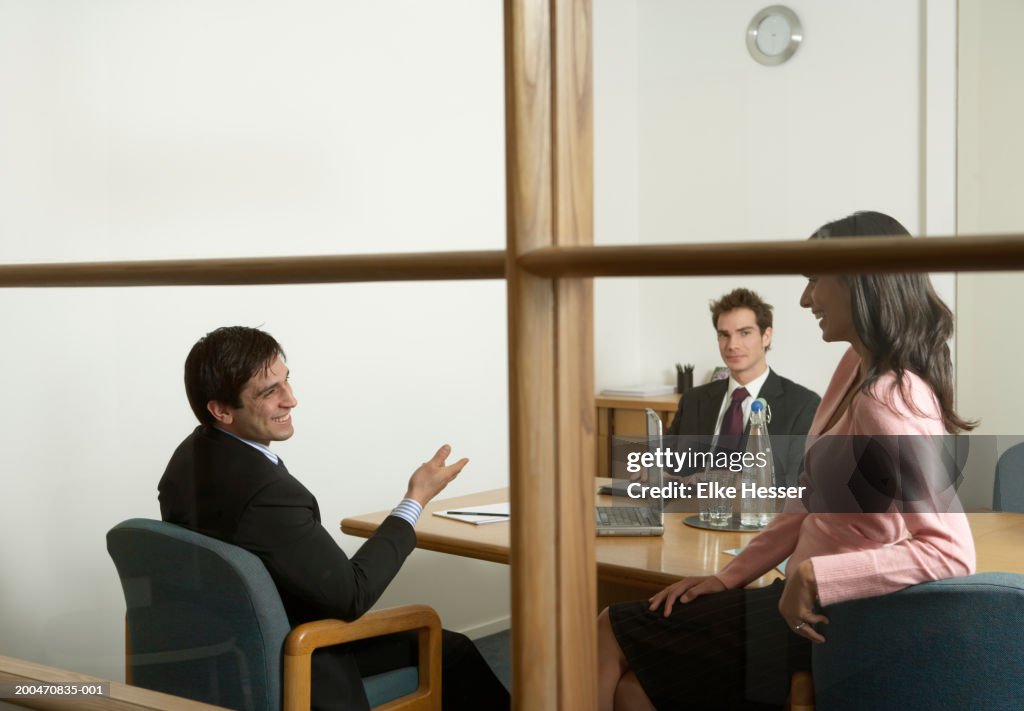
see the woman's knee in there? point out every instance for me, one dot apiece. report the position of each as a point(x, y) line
point(608, 649)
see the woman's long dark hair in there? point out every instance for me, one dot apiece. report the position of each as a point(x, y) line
point(900, 319)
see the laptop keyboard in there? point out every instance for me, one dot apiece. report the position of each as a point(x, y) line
point(626, 516)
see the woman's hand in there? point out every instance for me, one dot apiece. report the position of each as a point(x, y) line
point(685, 590)
point(797, 602)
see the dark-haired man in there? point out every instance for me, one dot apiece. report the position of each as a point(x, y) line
point(224, 481)
point(721, 408)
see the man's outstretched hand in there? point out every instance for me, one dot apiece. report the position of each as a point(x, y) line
point(433, 476)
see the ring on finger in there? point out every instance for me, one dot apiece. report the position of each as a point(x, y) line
point(799, 627)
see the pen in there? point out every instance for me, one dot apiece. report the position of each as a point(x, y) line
point(476, 513)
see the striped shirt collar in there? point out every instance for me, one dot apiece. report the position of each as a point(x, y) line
point(255, 445)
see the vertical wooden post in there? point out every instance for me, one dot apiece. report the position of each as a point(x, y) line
point(549, 155)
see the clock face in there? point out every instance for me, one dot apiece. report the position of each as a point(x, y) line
point(773, 35)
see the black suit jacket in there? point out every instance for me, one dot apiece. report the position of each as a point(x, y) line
point(792, 407)
point(221, 487)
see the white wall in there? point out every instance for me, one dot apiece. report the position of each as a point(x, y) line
point(732, 150)
point(617, 334)
point(990, 189)
point(991, 152)
point(201, 129)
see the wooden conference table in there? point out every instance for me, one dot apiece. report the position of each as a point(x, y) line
point(631, 567)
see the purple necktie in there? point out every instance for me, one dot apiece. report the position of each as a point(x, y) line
point(732, 424)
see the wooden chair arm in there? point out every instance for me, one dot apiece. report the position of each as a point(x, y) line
point(306, 638)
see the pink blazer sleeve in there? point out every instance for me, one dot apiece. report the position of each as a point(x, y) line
point(900, 549)
point(858, 555)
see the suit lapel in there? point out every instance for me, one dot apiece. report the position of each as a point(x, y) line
point(772, 386)
point(710, 405)
point(772, 393)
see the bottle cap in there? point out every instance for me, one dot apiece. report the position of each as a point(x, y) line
point(757, 405)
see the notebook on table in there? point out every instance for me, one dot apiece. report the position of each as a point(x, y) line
point(638, 517)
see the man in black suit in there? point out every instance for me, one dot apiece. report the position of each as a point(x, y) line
point(225, 482)
point(743, 322)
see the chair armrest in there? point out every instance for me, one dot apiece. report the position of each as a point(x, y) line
point(952, 643)
point(324, 633)
point(306, 638)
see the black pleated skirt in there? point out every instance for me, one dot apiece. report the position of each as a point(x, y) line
point(728, 650)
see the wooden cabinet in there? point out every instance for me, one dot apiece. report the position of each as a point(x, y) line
point(624, 416)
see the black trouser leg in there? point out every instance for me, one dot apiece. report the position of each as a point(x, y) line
point(467, 681)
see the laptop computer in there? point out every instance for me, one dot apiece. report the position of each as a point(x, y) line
point(641, 516)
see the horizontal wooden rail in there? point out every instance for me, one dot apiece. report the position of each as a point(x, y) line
point(960, 254)
point(119, 697)
point(831, 256)
point(326, 269)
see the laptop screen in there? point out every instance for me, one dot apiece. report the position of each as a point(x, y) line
point(637, 465)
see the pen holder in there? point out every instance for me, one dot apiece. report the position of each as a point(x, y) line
point(684, 381)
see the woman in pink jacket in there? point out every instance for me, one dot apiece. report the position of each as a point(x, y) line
point(708, 642)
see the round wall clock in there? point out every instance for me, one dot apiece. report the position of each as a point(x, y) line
point(774, 35)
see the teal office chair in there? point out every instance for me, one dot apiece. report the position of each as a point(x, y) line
point(204, 621)
point(1008, 494)
point(948, 645)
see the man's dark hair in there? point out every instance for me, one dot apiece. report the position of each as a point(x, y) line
point(743, 299)
point(222, 362)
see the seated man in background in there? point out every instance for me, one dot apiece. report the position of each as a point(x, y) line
point(720, 409)
point(225, 482)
